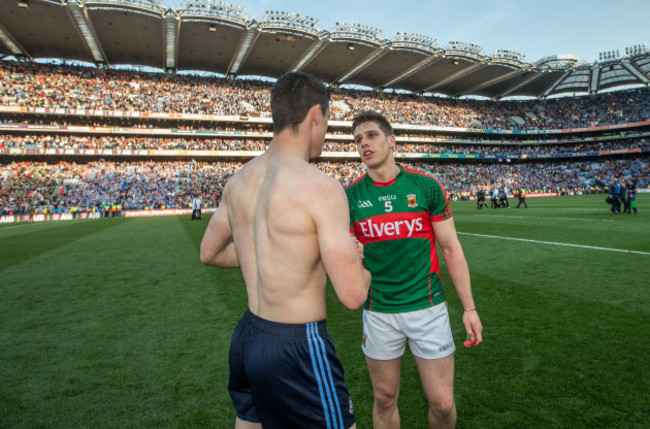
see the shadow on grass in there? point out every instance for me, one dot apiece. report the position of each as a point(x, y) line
point(35, 240)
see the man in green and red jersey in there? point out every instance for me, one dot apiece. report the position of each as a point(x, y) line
point(398, 214)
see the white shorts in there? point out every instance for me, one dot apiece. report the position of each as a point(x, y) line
point(428, 332)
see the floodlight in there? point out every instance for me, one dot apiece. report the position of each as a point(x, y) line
point(23, 4)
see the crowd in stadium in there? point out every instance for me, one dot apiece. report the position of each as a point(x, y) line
point(32, 187)
point(259, 145)
point(128, 143)
point(74, 87)
point(511, 151)
point(29, 187)
point(35, 187)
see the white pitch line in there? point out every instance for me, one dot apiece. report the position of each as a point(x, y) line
point(637, 252)
point(31, 224)
point(554, 218)
point(21, 226)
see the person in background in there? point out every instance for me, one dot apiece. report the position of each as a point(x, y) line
point(631, 196)
point(616, 191)
point(494, 198)
point(480, 199)
point(522, 198)
point(197, 205)
point(503, 197)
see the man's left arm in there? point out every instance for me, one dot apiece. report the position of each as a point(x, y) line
point(218, 247)
point(452, 252)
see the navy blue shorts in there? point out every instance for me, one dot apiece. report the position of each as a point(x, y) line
point(287, 376)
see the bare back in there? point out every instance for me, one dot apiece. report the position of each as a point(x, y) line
point(287, 224)
point(271, 203)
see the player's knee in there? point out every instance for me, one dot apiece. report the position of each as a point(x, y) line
point(386, 398)
point(443, 407)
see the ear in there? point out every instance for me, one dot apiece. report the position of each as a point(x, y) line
point(391, 141)
point(315, 114)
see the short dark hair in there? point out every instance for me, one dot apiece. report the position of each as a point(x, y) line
point(292, 95)
point(372, 116)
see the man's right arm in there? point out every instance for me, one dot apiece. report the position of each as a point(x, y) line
point(338, 250)
point(218, 247)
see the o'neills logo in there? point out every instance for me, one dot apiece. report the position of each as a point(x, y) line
point(403, 228)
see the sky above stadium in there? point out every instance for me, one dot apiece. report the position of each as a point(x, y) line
point(535, 29)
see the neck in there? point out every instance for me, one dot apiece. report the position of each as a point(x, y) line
point(384, 173)
point(292, 144)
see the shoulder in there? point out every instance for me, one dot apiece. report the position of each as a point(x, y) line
point(424, 180)
point(242, 178)
point(321, 194)
point(411, 172)
point(312, 183)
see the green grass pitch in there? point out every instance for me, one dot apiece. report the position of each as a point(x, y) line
point(115, 323)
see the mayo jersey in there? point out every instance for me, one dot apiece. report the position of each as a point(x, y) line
point(394, 222)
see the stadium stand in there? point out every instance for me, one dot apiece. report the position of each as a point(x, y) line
point(76, 140)
point(32, 85)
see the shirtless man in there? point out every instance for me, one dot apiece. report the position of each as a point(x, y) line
point(285, 223)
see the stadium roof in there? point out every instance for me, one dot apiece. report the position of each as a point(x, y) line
point(218, 37)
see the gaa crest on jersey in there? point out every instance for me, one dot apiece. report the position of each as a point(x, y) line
point(412, 200)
